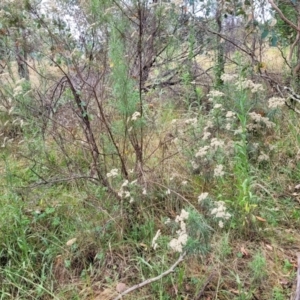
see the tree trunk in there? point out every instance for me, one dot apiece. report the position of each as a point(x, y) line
point(21, 57)
point(220, 66)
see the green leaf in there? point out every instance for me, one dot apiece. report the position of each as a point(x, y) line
point(273, 40)
point(265, 33)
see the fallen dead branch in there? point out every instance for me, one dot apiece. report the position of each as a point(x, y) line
point(200, 294)
point(297, 297)
point(150, 280)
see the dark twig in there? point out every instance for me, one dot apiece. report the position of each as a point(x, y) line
point(59, 180)
point(200, 294)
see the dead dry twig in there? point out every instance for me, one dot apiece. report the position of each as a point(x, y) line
point(297, 297)
point(150, 280)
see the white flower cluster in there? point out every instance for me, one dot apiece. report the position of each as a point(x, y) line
point(206, 133)
point(124, 192)
point(135, 116)
point(216, 143)
point(276, 102)
point(229, 77)
point(202, 197)
point(230, 115)
point(258, 121)
point(220, 213)
point(209, 124)
point(218, 171)
point(183, 124)
point(229, 148)
point(192, 121)
point(249, 84)
point(17, 91)
point(214, 94)
point(154, 240)
point(202, 151)
point(178, 244)
point(218, 106)
point(228, 126)
point(113, 173)
point(195, 166)
point(238, 131)
point(263, 157)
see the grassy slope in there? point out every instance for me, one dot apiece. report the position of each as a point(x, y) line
point(253, 257)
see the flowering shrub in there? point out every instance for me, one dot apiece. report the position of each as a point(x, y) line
point(178, 243)
point(193, 234)
point(216, 209)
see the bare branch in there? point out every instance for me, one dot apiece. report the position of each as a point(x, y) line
point(150, 280)
point(282, 16)
point(200, 294)
point(298, 279)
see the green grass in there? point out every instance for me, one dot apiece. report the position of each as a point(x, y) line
point(43, 208)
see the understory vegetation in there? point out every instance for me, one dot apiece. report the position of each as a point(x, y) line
point(143, 161)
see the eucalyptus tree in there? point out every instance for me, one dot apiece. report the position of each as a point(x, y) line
point(97, 62)
point(108, 55)
point(17, 34)
point(287, 14)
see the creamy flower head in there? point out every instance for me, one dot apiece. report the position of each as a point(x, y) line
point(276, 102)
point(183, 216)
point(215, 93)
point(135, 116)
point(218, 171)
point(192, 121)
point(263, 157)
point(18, 90)
point(209, 124)
point(113, 173)
point(154, 240)
point(220, 211)
point(249, 84)
point(258, 118)
point(177, 244)
point(257, 87)
point(238, 131)
point(230, 114)
point(125, 183)
point(216, 143)
point(195, 166)
point(202, 197)
point(229, 77)
point(206, 135)
point(221, 224)
point(217, 106)
point(202, 151)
